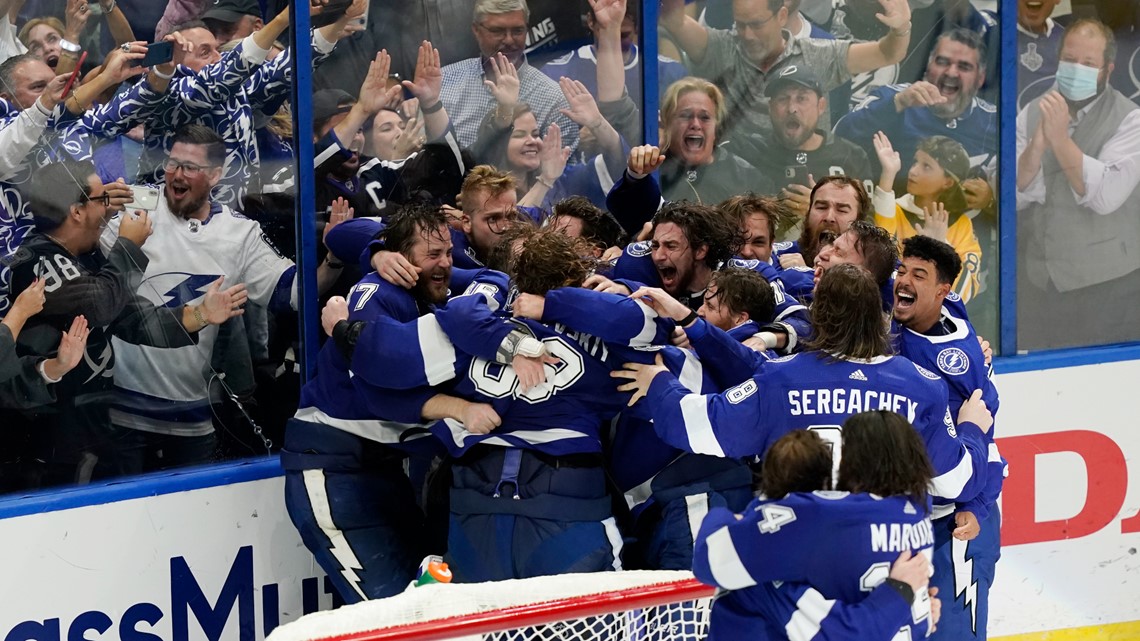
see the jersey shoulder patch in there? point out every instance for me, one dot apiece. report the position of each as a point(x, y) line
point(782, 245)
point(639, 249)
point(949, 421)
point(953, 296)
point(744, 263)
point(783, 359)
point(953, 361)
point(926, 373)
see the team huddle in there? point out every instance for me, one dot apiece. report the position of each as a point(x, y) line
point(813, 441)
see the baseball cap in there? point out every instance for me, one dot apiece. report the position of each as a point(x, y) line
point(793, 74)
point(232, 10)
point(330, 102)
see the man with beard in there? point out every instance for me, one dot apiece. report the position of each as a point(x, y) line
point(799, 151)
point(72, 439)
point(344, 456)
point(743, 61)
point(500, 26)
point(864, 245)
point(1076, 183)
point(933, 331)
point(945, 102)
point(163, 403)
point(689, 244)
point(833, 204)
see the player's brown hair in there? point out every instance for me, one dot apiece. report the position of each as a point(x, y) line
point(411, 222)
point(848, 315)
point(883, 454)
point(743, 290)
point(741, 206)
point(550, 260)
point(799, 462)
point(703, 226)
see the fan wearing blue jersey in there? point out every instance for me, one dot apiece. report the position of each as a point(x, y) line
point(879, 515)
point(945, 102)
point(934, 332)
point(345, 485)
point(849, 369)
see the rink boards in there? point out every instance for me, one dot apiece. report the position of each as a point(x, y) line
point(211, 554)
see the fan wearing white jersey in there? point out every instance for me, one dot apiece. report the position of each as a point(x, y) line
point(162, 409)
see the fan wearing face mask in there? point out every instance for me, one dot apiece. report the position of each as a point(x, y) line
point(1077, 212)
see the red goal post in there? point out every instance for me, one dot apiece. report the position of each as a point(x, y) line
point(641, 606)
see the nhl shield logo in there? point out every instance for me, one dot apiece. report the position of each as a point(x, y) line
point(953, 361)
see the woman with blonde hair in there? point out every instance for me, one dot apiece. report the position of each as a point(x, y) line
point(689, 162)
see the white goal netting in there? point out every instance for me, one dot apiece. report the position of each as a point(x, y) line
point(608, 606)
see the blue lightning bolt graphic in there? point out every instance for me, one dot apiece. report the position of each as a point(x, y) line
point(194, 286)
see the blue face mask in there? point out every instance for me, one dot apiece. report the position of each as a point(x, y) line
point(1077, 82)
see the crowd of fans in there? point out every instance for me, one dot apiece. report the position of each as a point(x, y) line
point(147, 211)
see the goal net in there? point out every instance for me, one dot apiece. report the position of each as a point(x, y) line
point(605, 606)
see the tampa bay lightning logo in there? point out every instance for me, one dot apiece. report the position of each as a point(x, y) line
point(174, 289)
point(744, 263)
point(953, 361)
point(949, 422)
point(639, 249)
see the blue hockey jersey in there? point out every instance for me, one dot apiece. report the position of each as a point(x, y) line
point(814, 391)
point(951, 349)
point(841, 544)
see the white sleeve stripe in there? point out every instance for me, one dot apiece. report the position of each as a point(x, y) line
point(696, 508)
point(694, 411)
point(692, 373)
point(644, 338)
point(603, 172)
point(437, 350)
point(995, 455)
point(727, 569)
point(811, 609)
point(948, 485)
point(453, 145)
point(324, 156)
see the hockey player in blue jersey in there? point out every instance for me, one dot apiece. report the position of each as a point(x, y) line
point(862, 244)
point(345, 485)
point(881, 510)
point(848, 370)
point(690, 242)
point(933, 331)
point(670, 490)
